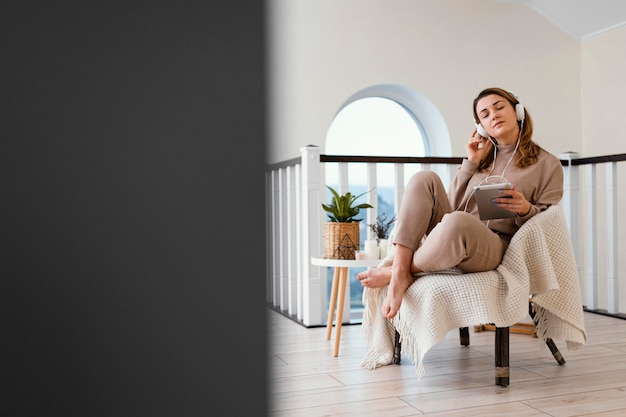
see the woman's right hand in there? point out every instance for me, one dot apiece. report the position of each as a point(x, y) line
point(477, 146)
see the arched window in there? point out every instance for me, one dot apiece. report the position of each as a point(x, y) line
point(433, 128)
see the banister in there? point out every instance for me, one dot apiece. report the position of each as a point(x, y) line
point(295, 227)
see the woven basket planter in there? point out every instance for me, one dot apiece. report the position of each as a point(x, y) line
point(341, 240)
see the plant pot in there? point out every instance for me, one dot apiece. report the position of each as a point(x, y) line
point(341, 240)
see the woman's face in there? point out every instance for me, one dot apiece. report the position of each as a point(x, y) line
point(498, 117)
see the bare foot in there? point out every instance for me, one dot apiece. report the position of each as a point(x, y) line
point(397, 287)
point(375, 277)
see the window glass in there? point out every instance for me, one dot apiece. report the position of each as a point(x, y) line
point(374, 126)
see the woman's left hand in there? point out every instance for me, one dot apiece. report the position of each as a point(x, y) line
point(516, 203)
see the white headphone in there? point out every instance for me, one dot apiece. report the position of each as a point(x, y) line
point(519, 111)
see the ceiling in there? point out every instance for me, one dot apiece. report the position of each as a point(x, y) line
point(580, 19)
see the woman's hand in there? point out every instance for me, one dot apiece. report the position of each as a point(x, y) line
point(477, 146)
point(516, 202)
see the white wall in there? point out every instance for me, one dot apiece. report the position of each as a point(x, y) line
point(323, 51)
point(603, 86)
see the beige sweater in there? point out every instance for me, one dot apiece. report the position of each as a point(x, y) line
point(541, 184)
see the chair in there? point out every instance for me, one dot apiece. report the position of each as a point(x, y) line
point(501, 349)
point(538, 275)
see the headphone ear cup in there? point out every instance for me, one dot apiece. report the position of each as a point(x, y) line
point(519, 108)
point(481, 131)
point(519, 111)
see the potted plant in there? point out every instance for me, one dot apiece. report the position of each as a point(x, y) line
point(382, 226)
point(341, 231)
point(381, 232)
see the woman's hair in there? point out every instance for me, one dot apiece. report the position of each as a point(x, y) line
point(528, 151)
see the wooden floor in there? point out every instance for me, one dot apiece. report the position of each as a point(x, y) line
point(306, 380)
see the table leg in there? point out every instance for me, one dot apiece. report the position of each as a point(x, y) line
point(343, 275)
point(333, 301)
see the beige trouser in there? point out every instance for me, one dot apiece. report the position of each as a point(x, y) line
point(453, 238)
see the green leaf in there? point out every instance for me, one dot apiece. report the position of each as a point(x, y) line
point(342, 209)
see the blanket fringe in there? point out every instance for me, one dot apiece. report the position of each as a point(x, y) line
point(374, 360)
point(540, 321)
point(375, 330)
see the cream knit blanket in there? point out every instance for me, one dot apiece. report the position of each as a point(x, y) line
point(539, 262)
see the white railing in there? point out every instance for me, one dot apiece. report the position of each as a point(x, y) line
point(595, 229)
point(295, 190)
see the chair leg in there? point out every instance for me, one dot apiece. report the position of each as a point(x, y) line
point(396, 349)
point(551, 345)
point(555, 352)
point(502, 356)
point(464, 335)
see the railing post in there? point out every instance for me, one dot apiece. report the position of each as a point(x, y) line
point(591, 232)
point(276, 283)
point(570, 204)
point(372, 198)
point(282, 239)
point(398, 184)
point(290, 237)
point(312, 289)
point(271, 237)
point(612, 286)
point(300, 262)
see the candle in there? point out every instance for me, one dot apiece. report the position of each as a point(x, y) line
point(383, 248)
point(371, 248)
point(360, 255)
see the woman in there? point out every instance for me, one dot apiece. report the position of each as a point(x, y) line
point(436, 230)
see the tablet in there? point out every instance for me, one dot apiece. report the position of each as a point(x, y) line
point(484, 196)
